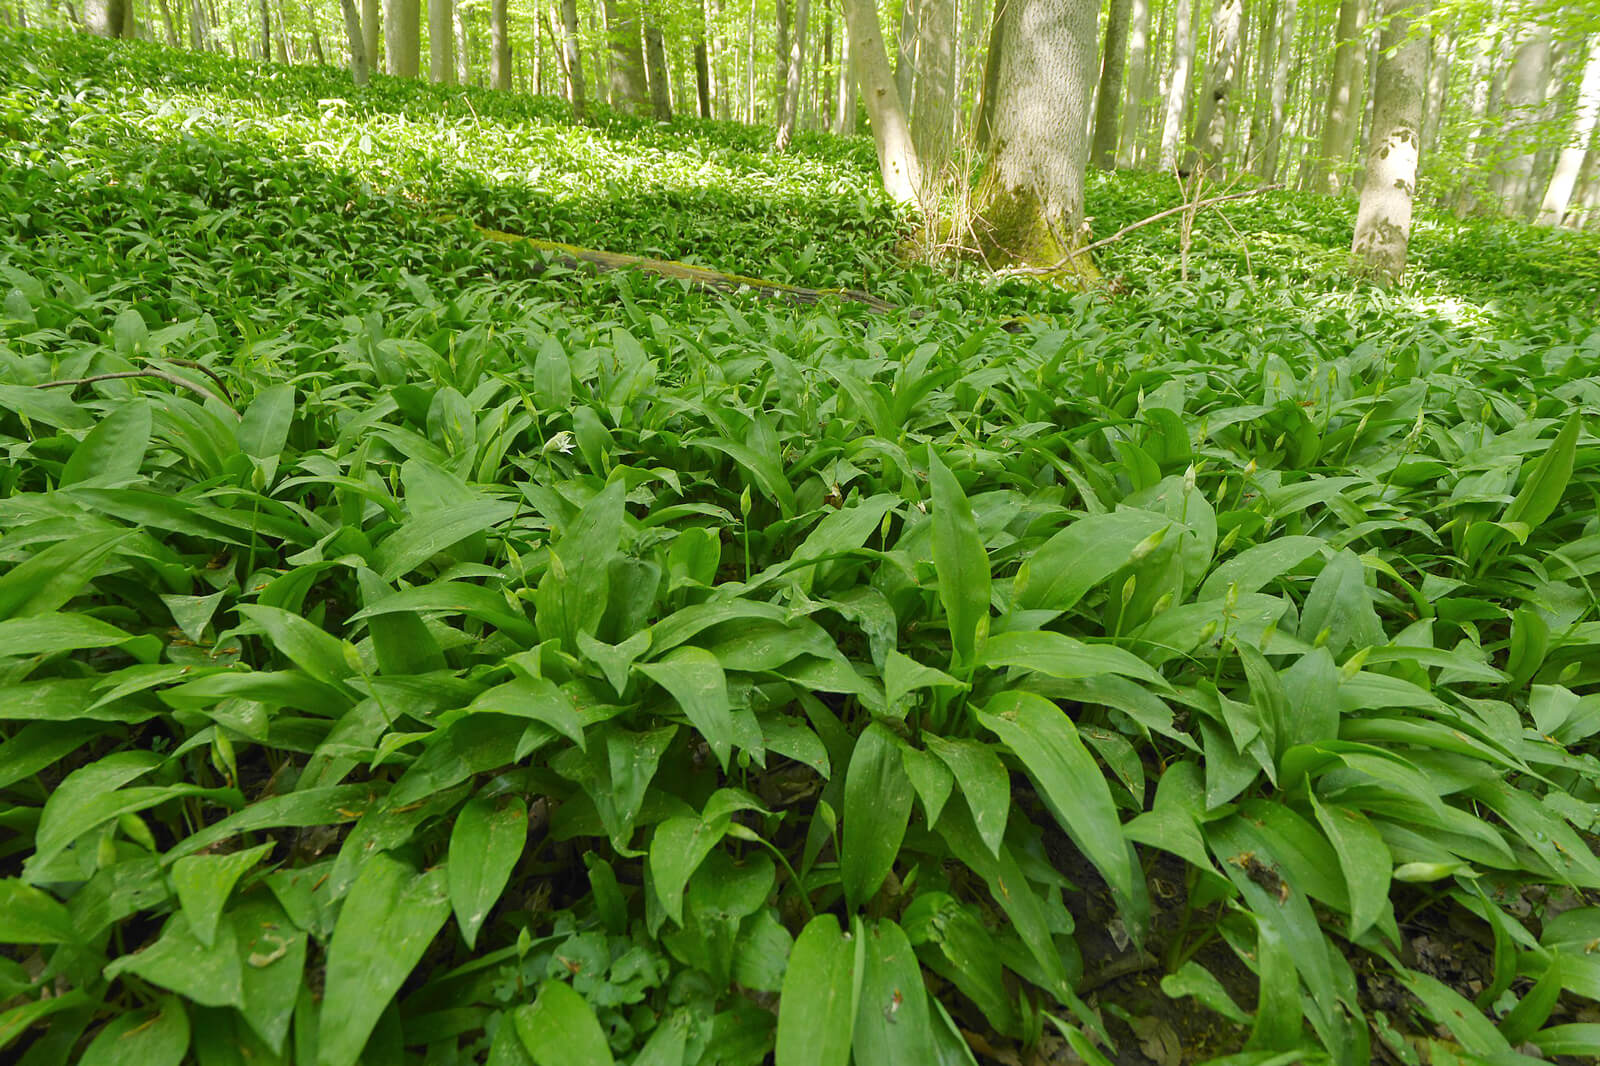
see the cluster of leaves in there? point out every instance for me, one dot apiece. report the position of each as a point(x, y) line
point(411, 651)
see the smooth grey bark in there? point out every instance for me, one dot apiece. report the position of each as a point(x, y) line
point(1383, 221)
point(198, 32)
point(371, 32)
point(265, 12)
point(499, 47)
point(994, 57)
point(1030, 199)
point(572, 59)
point(441, 42)
point(316, 35)
point(906, 40)
point(780, 54)
point(355, 40)
point(1103, 148)
point(1267, 166)
point(1211, 116)
point(844, 119)
point(1138, 83)
point(933, 112)
point(1339, 125)
point(1524, 95)
point(794, 73)
point(1558, 194)
point(402, 34)
point(1178, 84)
point(627, 85)
point(464, 46)
point(897, 156)
point(106, 18)
point(702, 65)
point(1438, 88)
point(656, 66)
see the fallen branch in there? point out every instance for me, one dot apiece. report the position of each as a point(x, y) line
point(171, 379)
point(571, 255)
point(1067, 260)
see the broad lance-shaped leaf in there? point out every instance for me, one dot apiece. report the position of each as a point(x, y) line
point(696, 681)
point(114, 449)
point(1081, 556)
point(142, 1037)
point(29, 916)
point(817, 1011)
point(961, 563)
point(390, 916)
point(893, 1023)
point(572, 595)
point(1061, 656)
point(1542, 492)
point(428, 534)
point(560, 1029)
point(877, 809)
point(203, 883)
point(1045, 741)
point(485, 844)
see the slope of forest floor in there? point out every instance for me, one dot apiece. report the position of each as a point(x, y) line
point(416, 649)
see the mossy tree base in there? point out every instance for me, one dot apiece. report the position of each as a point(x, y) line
point(1014, 227)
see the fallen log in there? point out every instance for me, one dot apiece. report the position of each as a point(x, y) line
point(570, 255)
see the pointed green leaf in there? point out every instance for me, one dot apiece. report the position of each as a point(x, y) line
point(960, 561)
point(877, 810)
point(560, 1029)
point(485, 844)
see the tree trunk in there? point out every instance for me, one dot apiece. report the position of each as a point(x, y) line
point(994, 58)
point(1438, 88)
point(441, 42)
point(1178, 87)
point(402, 32)
point(1268, 163)
point(371, 34)
point(1030, 199)
point(897, 158)
point(198, 35)
point(463, 46)
point(1138, 81)
point(844, 120)
point(499, 47)
point(1339, 127)
point(702, 65)
point(933, 87)
point(627, 86)
point(572, 58)
point(1524, 95)
point(1558, 194)
point(1211, 117)
point(1103, 151)
point(355, 40)
point(1383, 223)
point(780, 52)
point(795, 74)
point(656, 61)
point(166, 22)
point(905, 51)
point(266, 31)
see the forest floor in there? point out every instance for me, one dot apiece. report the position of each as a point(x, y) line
point(418, 646)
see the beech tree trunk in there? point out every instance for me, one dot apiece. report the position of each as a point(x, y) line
point(933, 89)
point(905, 43)
point(402, 33)
point(994, 57)
point(1267, 166)
point(1103, 151)
point(794, 74)
point(371, 35)
point(1524, 95)
point(441, 42)
point(499, 47)
point(897, 157)
point(463, 46)
point(266, 30)
point(1558, 194)
point(702, 65)
point(844, 120)
point(356, 41)
point(656, 63)
point(627, 86)
point(1438, 88)
point(1030, 199)
point(1138, 83)
point(198, 32)
point(1339, 127)
point(106, 18)
point(1383, 222)
point(572, 58)
point(1211, 117)
point(1178, 86)
point(166, 22)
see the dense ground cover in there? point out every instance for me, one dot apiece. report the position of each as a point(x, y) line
point(456, 657)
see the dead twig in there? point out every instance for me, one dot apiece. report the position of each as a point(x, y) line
point(1067, 259)
point(171, 379)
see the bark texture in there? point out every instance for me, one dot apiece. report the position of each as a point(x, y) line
point(1383, 223)
point(794, 75)
point(372, 32)
point(356, 41)
point(402, 33)
point(1524, 96)
point(572, 59)
point(1178, 85)
point(499, 46)
point(1339, 125)
point(441, 42)
point(627, 58)
point(1272, 145)
point(933, 113)
point(656, 63)
point(1558, 194)
point(1138, 82)
point(106, 18)
point(1030, 199)
point(1103, 152)
point(897, 158)
point(1211, 116)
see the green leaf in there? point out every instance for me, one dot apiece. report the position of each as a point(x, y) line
point(208, 974)
point(142, 1038)
point(1542, 492)
point(49, 578)
point(984, 783)
point(274, 953)
point(552, 377)
point(1364, 858)
point(17, 1020)
point(1195, 980)
point(485, 844)
point(1046, 742)
point(203, 883)
point(322, 656)
point(877, 810)
point(893, 1024)
point(961, 563)
point(457, 597)
point(29, 916)
point(696, 681)
point(1081, 556)
point(263, 431)
point(1061, 656)
point(677, 849)
point(573, 595)
point(114, 450)
point(538, 700)
point(431, 532)
point(560, 1029)
point(388, 920)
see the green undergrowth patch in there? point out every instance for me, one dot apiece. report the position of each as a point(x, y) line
point(415, 651)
